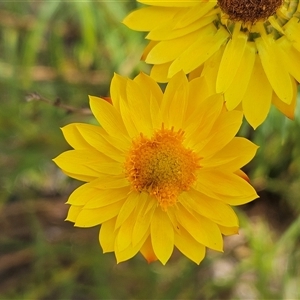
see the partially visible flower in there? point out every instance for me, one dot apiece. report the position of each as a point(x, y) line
point(248, 50)
point(162, 170)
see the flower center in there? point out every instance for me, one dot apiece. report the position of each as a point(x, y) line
point(161, 166)
point(249, 11)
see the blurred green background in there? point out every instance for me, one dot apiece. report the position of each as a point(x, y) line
point(53, 55)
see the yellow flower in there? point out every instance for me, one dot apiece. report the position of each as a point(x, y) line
point(247, 50)
point(162, 170)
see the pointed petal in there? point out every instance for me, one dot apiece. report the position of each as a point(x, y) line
point(222, 132)
point(144, 219)
point(88, 162)
point(237, 153)
point(224, 183)
point(174, 101)
point(147, 251)
point(95, 137)
point(107, 115)
point(231, 59)
point(212, 209)
point(107, 235)
point(74, 138)
point(229, 230)
point(169, 3)
point(173, 31)
point(128, 207)
point(162, 240)
point(202, 49)
point(147, 18)
point(234, 95)
point(138, 103)
point(257, 100)
point(117, 90)
point(274, 68)
point(287, 109)
point(130, 251)
point(159, 55)
point(93, 217)
point(106, 197)
point(160, 72)
point(290, 57)
point(124, 236)
point(188, 246)
point(201, 229)
point(73, 213)
point(149, 87)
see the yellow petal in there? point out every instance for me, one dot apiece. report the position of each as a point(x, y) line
point(187, 245)
point(147, 18)
point(94, 136)
point(87, 162)
point(124, 236)
point(108, 117)
point(74, 138)
point(231, 59)
point(162, 235)
point(107, 235)
point(106, 197)
point(160, 72)
point(257, 100)
point(172, 31)
point(90, 192)
point(143, 219)
point(175, 101)
point(292, 29)
point(80, 177)
point(93, 217)
point(224, 183)
point(274, 68)
point(147, 251)
point(210, 208)
point(229, 230)
point(169, 3)
point(234, 95)
point(198, 92)
point(222, 132)
point(130, 251)
point(139, 108)
point(287, 109)
point(195, 13)
point(233, 156)
point(149, 87)
point(166, 51)
point(201, 229)
point(203, 48)
point(154, 94)
point(126, 116)
point(211, 69)
point(290, 57)
point(117, 90)
point(128, 207)
point(73, 213)
point(202, 119)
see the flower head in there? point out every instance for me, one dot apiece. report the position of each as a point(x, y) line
point(161, 171)
point(248, 50)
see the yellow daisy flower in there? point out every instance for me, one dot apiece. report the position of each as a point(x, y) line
point(162, 170)
point(248, 50)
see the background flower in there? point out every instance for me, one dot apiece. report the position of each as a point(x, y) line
point(250, 51)
point(162, 170)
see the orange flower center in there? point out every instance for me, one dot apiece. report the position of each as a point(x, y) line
point(161, 166)
point(249, 11)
